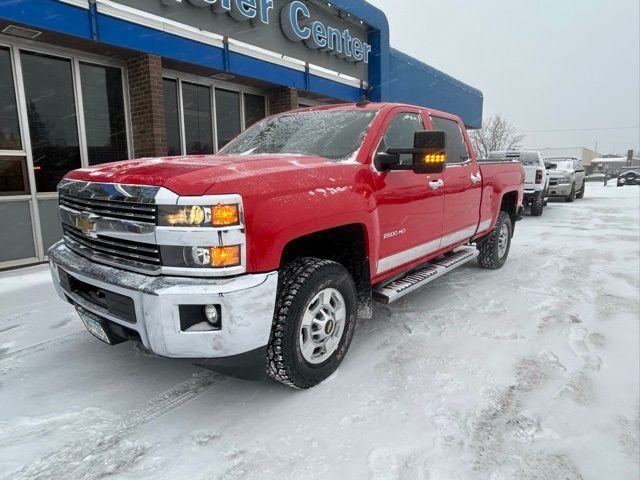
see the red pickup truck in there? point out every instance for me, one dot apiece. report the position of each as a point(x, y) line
point(263, 255)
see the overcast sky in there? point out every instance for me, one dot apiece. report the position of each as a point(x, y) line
point(564, 72)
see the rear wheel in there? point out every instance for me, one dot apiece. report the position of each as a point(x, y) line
point(313, 323)
point(572, 195)
point(537, 207)
point(494, 249)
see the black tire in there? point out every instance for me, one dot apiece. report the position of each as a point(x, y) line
point(489, 247)
point(537, 207)
point(299, 282)
point(580, 195)
point(620, 184)
point(572, 196)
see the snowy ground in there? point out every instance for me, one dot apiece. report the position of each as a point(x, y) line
point(530, 372)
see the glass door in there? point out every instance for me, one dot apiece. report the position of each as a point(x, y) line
point(17, 236)
point(57, 113)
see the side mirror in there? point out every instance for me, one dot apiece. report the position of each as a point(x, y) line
point(386, 162)
point(429, 154)
point(430, 151)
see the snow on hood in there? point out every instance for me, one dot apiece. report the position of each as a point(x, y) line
point(194, 174)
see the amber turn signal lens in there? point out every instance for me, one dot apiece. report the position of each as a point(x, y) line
point(225, 256)
point(225, 215)
point(435, 158)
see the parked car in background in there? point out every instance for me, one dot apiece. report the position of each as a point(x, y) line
point(595, 177)
point(567, 178)
point(536, 182)
point(629, 176)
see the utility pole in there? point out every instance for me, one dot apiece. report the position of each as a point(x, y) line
point(629, 158)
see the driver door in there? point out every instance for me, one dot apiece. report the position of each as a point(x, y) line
point(410, 206)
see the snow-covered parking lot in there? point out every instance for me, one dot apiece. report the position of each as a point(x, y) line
point(530, 372)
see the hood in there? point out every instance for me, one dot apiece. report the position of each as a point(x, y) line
point(194, 175)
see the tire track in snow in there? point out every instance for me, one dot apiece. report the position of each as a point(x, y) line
point(38, 347)
point(104, 453)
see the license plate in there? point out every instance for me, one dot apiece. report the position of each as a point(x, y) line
point(94, 328)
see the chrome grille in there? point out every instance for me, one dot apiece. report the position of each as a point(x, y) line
point(140, 256)
point(111, 209)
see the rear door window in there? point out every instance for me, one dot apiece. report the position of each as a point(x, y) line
point(457, 151)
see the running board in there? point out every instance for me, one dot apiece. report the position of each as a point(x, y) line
point(420, 277)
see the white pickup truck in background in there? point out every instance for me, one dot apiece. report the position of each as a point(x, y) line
point(536, 181)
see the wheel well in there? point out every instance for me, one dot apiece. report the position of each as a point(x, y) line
point(510, 205)
point(346, 245)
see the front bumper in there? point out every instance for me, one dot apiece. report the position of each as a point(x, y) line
point(625, 181)
point(246, 302)
point(560, 190)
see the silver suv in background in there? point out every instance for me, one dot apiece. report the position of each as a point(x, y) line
point(567, 178)
point(536, 177)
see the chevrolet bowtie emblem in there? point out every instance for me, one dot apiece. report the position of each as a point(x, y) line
point(86, 225)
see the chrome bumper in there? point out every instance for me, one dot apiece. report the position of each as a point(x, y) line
point(560, 190)
point(247, 305)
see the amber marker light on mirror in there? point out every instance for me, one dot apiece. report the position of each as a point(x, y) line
point(435, 158)
point(225, 215)
point(222, 257)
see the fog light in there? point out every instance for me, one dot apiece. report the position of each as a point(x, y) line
point(211, 314)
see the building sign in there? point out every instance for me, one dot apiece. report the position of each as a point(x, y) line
point(307, 31)
point(298, 25)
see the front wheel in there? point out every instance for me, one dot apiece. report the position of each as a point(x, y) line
point(313, 323)
point(580, 195)
point(494, 249)
point(572, 195)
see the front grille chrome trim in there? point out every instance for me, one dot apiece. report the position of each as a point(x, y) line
point(113, 261)
point(116, 225)
point(116, 250)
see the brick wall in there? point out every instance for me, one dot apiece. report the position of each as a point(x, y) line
point(146, 97)
point(283, 100)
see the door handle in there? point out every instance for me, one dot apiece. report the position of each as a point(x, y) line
point(476, 178)
point(436, 184)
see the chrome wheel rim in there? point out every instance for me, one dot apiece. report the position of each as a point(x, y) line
point(503, 240)
point(322, 326)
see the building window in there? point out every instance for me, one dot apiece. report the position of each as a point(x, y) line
point(104, 113)
point(53, 125)
point(172, 116)
point(254, 109)
point(198, 122)
point(13, 176)
point(227, 116)
point(9, 126)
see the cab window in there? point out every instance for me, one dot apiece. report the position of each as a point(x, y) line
point(457, 152)
point(400, 134)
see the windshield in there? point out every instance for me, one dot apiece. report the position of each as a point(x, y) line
point(333, 134)
point(563, 165)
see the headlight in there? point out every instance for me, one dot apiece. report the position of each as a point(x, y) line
point(198, 216)
point(201, 257)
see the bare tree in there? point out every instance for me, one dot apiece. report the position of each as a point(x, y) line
point(497, 133)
